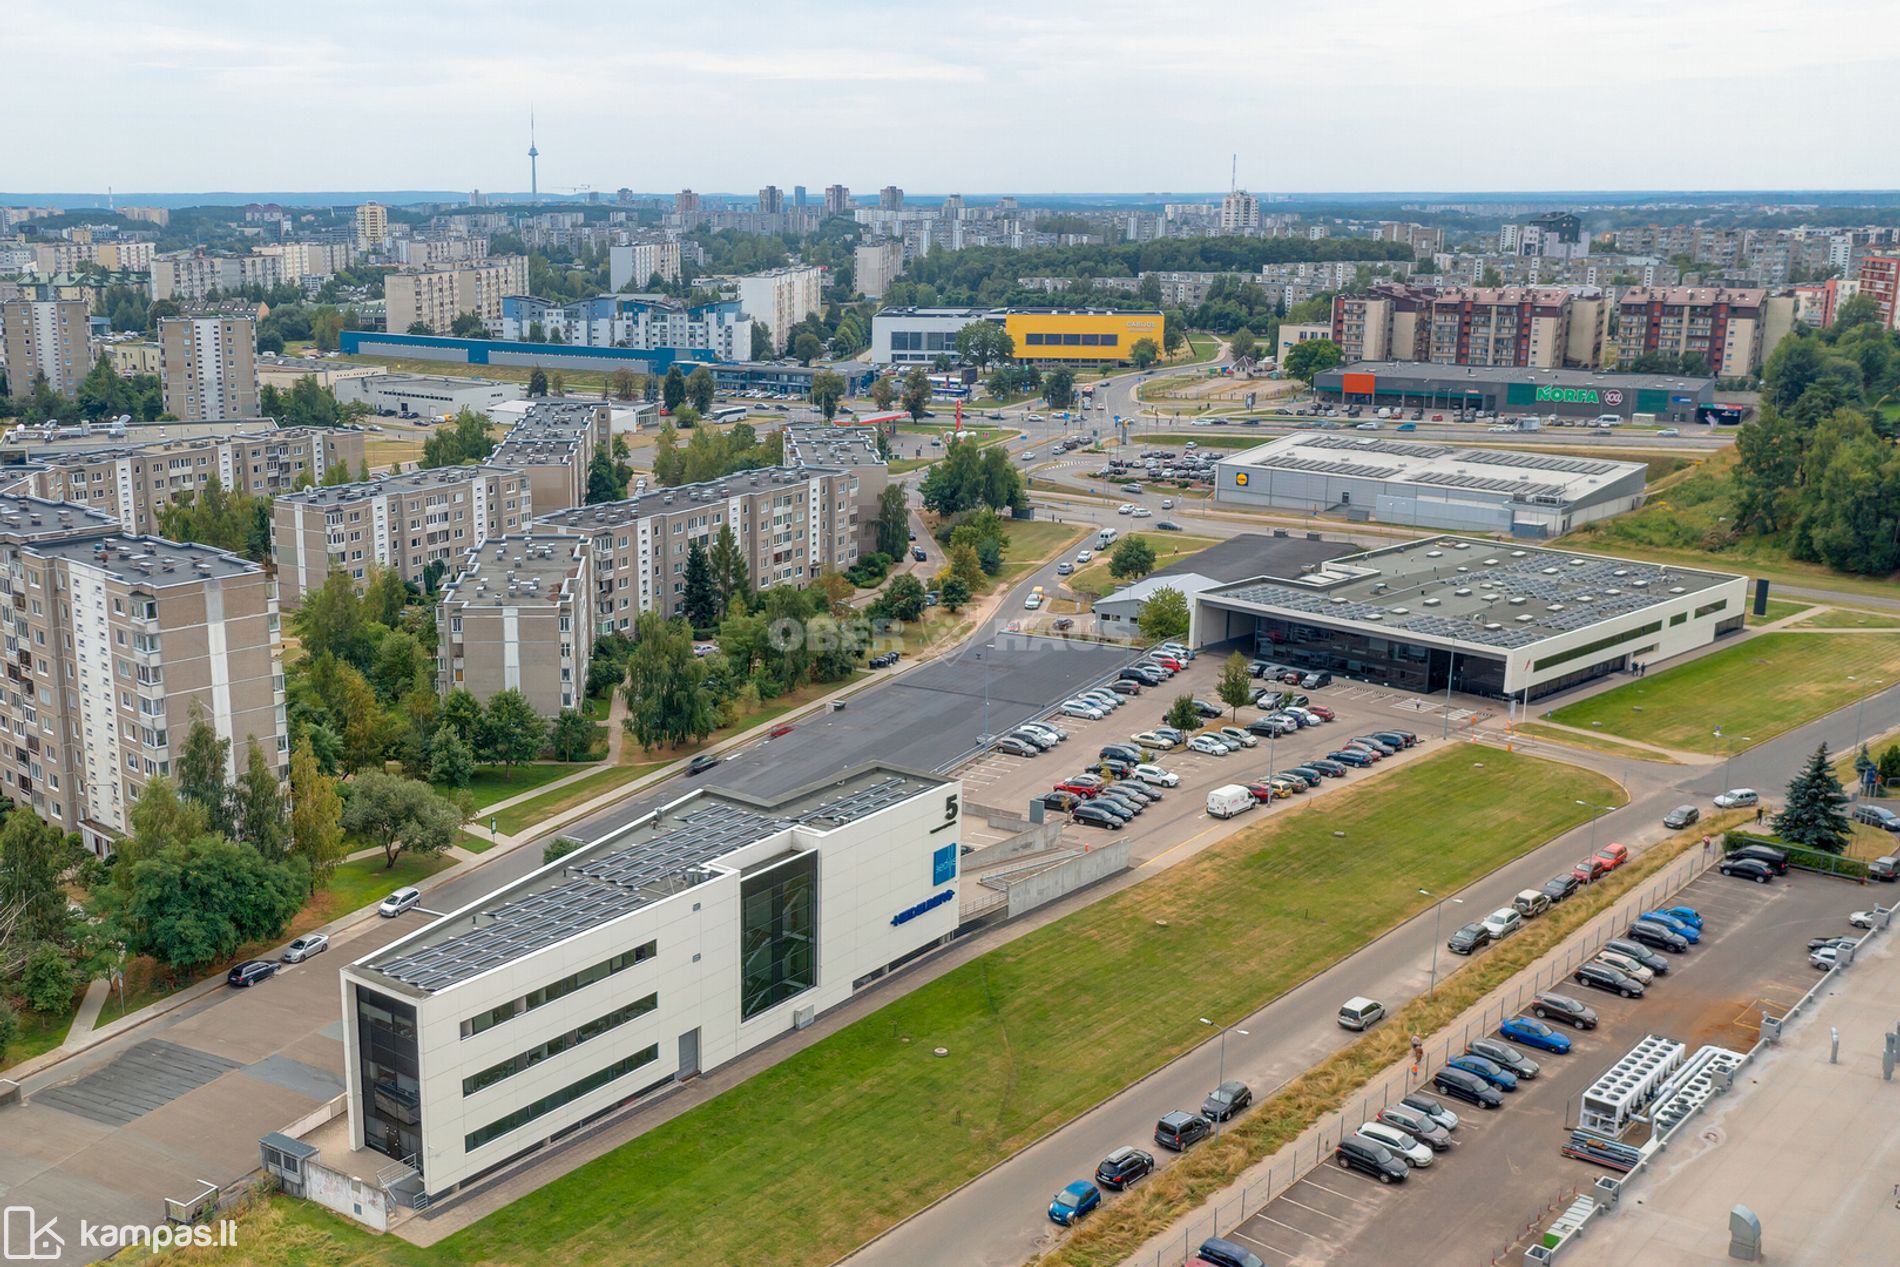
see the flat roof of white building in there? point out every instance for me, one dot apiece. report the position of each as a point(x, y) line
point(1545, 477)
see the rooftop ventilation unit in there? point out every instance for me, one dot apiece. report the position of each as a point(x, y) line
point(1434, 554)
point(1518, 554)
point(1433, 602)
point(1526, 619)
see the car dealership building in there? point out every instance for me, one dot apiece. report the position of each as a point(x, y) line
point(1493, 619)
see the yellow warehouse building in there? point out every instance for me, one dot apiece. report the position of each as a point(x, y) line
point(1080, 336)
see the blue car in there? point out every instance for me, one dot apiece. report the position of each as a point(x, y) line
point(1682, 928)
point(1492, 1072)
point(1687, 914)
point(1074, 1201)
point(1533, 1033)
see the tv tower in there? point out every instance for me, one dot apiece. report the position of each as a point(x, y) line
point(534, 179)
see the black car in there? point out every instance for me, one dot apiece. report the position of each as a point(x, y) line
point(1355, 1153)
point(1396, 738)
point(1346, 756)
point(1064, 801)
point(1206, 709)
point(702, 763)
point(1747, 869)
point(1681, 816)
point(1603, 977)
point(1468, 1087)
point(1167, 525)
point(1127, 752)
point(1120, 809)
point(1331, 769)
point(1551, 1006)
point(1314, 681)
point(917, 553)
point(1226, 1100)
point(1417, 1124)
point(250, 972)
point(1123, 1166)
point(1774, 859)
point(1641, 954)
point(1656, 937)
point(1222, 1252)
point(1180, 1131)
point(1561, 887)
point(1120, 767)
point(1378, 745)
point(1090, 814)
point(1469, 938)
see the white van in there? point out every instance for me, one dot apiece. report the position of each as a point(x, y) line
point(1106, 538)
point(1229, 800)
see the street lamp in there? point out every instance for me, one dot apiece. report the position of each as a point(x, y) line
point(1438, 915)
point(1222, 1076)
point(1601, 810)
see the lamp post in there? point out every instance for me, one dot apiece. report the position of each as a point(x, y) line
point(1222, 1076)
point(1438, 915)
point(1601, 810)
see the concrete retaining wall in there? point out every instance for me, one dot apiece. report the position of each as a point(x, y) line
point(364, 1202)
point(1034, 839)
point(1046, 886)
point(9, 1092)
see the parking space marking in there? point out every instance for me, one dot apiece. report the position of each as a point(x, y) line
point(1262, 1244)
point(1297, 1231)
point(1323, 1188)
point(1310, 1210)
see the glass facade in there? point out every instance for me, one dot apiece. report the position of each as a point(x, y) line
point(778, 933)
point(392, 1095)
point(1388, 661)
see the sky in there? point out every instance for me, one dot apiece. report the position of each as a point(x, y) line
point(973, 96)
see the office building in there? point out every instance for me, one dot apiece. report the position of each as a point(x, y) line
point(782, 297)
point(790, 525)
point(372, 226)
point(44, 337)
point(1239, 213)
point(515, 618)
point(1483, 618)
point(716, 331)
point(1570, 396)
point(637, 263)
point(112, 641)
point(208, 366)
point(837, 200)
point(411, 523)
point(435, 297)
point(667, 948)
point(552, 445)
point(890, 198)
point(1722, 325)
point(876, 265)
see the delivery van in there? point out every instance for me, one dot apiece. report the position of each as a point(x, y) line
point(1227, 801)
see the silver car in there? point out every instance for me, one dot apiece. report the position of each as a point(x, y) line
point(305, 946)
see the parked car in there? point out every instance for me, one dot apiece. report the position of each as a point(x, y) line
point(250, 972)
point(1502, 922)
point(1417, 1125)
point(1076, 708)
point(1603, 977)
point(1561, 887)
point(310, 944)
point(1235, 737)
point(1738, 798)
point(1471, 937)
point(1657, 965)
point(1503, 1055)
point(1224, 1101)
point(1684, 914)
point(1063, 801)
point(1351, 757)
point(1680, 927)
point(1824, 958)
point(1044, 728)
point(1862, 919)
point(1082, 784)
point(1534, 1033)
point(1681, 816)
point(1328, 767)
point(1012, 746)
point(1656, 937)
point(1153, 739)
point(1767, 855)
point(1491, 1071)
point(1091, 815)
point(1830, 943)
point(1361, 1013)
point(1321, 711)
point(1263, 791)
point(1073, 1202)
point(1179, 1131)
point(1396, 1142)
point(1530, 903)
point(1625, 965)
point(1121, 685)
point(1123, 1167)
point(1218, 1251)
point(1612, 856)
point(1877, 816)
point(1433, 1109)
point(1469, 1087)
point(1314, 681)
point(404, 899)
point(1155, 776)
point(1550, 1005)
point(1589, 871)
point(1356, 1153)
point(1208, 744)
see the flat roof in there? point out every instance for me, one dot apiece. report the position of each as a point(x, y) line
point(28, 517)
point(408, 482)
point(1252, 554)
point(832, 445)
point(511, 570)
point(1514, 473)
point(614, 514)
point(148, 560)
point(1449, 377)
point(1474, 591)
point(658, 856)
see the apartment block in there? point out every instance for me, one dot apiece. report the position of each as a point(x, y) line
point(435, 297)
point(553, 444)
point(1239, 213)
point(44, 337)
point(837, 200)
point(195, 275)
point(719, 330)
point(404, 522)
point(515, 618)
point(1532, 327)
point(876, 265)
point(635, 263)
point(208, 366)
point(110, 642)
point(132, 482)
point(1723, 325)
point(310, 261)
point(1387, 322)
point(436, 251)
point(782, 297)
point(1879, 279)
point(790, 524)
point(372, 226)
point(853, 450)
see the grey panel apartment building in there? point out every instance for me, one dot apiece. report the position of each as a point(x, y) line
point(553, 444)
point(852, 449)
point(47, 337)
point(516, 618)
point(110, 643)
point(208, 366)
point(405, 522)
point(790, 524)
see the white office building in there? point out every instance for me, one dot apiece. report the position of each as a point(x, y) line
point(717, 331)
point(668, 947)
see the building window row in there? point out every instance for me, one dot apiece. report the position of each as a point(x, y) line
point(1708, 609)
point(1591, 648)
point(558, 989)
point(566, 1095)
point(559, 1043)
point(1052, 339)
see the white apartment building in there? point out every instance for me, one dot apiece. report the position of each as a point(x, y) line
point(1239, 213)
point(47, 337)
point(876, 265)
point(194, 275)
point(208, 366)
point(782, 297)
point(372, 226)
point(635, 263)
point(642, 322)
point(311, 261)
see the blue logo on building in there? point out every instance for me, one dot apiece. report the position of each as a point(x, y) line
point(930, 903)
point(943, 864)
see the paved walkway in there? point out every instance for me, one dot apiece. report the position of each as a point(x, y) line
point(87, 1016)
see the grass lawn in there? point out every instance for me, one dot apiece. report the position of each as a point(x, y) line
point(1778, 609)
point(1846, 618)
point(1201, 348)
point(1758, 689)
point(1033, 542)
point(475, 843)
point(497, 783)
point(37, 1034)
point(1037, 1031)
point(1592, 741)
point(1094, 580)
point(596, 708)
point(354, 885)
point(898, 466)
point(548, 804)
point(386, 451)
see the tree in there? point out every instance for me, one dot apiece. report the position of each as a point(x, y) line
point(9, 1025)
point(702, 598)
point(827, 391)
point(48, 981)
point(1182, 715)
point(331, 620)
point(571, 736)
point(916, 394)
point(953, 594)
point(32, 861)
point(316, 831)
point(1058, 387)
point(259, 805)
point(982, 343)
point(400, 665)
point(624, 385)
point(1306, 361)
point(1812, 817)
point(1241, 343)
point(700, 390)
point(1144, 353)
point(467, 326)
point(160, 820)
point(673, 389)
point(666, 690)
point(200, 767)
point(1173, 337)
point(194, 904)
point(893, 520)
point(883, 393)
point(730, 577)
point(967, 566)
point(462, 713)
point(903, 598)
point(763, 349)
point(513, 731)
point(807, 347)
point(1164, 616)
point(537, 382)
point(451, 760)
point(1132, 559)
point(1236, 683)
point(1889, 765)
point(601, 483)
point(399, 815)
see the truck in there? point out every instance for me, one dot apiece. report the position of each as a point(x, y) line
point(1228, 800)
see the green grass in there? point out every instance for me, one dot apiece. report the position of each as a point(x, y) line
point(475, 843)
point(1037, 1031)
point(1758, 689)
point(1201, 349)
point(1593, 741)
point(537, 808)
point(1778, 609)
point(1847, 618)
point(597, 707)
point(1170, 547)
point(494, 783)
point(38, 1034)
point(1217, 441)
point(1032, 542)
point(354, 885)
point(898, 466)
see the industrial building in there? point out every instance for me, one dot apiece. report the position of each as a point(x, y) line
point(1507, 491)
point(918, 336)
point(1505, 389)
point(426, 395)
point(1481, 617)
point(667, 948)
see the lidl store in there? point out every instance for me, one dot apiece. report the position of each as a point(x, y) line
point(1505, 389)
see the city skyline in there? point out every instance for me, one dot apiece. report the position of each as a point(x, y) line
point(217, 97)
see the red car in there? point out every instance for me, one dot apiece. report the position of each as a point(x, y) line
point(1082, 785)
point(1590, 870)
point(779, 731)
point(1167, 661)
point(1365, 750)
point(1262, 792)
point(1293, 677)
point(1613, 856)
point(1322, 712)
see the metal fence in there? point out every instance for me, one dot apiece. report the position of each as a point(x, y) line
point(1314, 1148)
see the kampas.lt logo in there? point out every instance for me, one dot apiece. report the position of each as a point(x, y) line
point(24, 1239)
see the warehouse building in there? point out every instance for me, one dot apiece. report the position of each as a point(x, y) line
point(1479, 617)
point(1504, 389)
point(426, 395)
point(1505, 491)
point(918, 336)
point(668, 947)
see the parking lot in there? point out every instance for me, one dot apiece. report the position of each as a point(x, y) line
point(1504, 1166)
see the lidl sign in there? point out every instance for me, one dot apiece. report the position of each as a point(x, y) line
point(1569, 395)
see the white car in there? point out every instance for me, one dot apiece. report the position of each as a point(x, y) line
point(1234, 735)
point(1175, 649)
point(1102, 699)
point(1626, 965)
point(1032, 602)
point(1076, 708)
point(1416, 1155)
point(1149, 739)
point(1155, 775)
point(1303, 716)
point(1026, 457)
point(1142, 512)
point(1126, 508)
point(1738, 798)
point(1083, 558)
point(1502, 426)
point(1824, 958)
point(1208, 744)
point(1167, 503)
point(1502, 922)
point(1032, 417)
point(1055, 733)
point(1861, 919)
point(1668, 431)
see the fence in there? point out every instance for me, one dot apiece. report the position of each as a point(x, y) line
point(1313, 1147)
point(1803, 858)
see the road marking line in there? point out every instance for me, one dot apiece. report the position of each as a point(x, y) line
point(1310, 1210)
point(1257, 1241)
point(1323, 1188)
point(1288, 1226)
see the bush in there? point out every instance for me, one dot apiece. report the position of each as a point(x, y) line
point(9, 1026)
point(559, 848)
point(1806, 859)
point(48, 981)
point(870, 570)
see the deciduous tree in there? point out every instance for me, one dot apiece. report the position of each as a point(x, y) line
point(451, 760)
point(259, 805)
point(1236, 683)
point(827, 392)
point(1132, 559)
point(400, 815)
point(916, 393)
point(1164, 616)
point(571, 736)
point(513, 731)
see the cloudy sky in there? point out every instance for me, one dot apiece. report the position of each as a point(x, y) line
point(974, 96)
